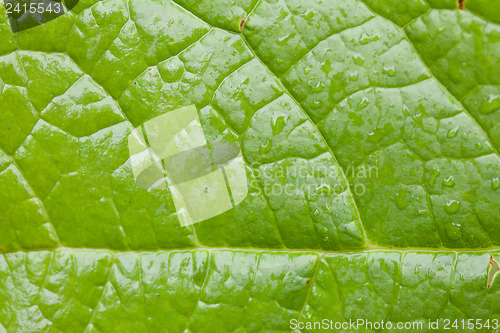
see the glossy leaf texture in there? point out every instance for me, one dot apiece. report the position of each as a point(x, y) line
point(370, 132)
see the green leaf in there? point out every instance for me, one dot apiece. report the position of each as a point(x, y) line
point(370, 133)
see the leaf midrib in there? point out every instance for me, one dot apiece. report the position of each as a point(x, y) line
point(321, 253)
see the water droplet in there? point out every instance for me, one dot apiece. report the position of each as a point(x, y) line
point(418, 119)
point(266, 147)
point(278, 123)
point(406, 111)
point(353, 76)
point(452, 206)
point(495, 183)
point(283, 40)
point(316, 104)
point(434, 175)
point(362, 104)
point(422, 212)
point(450, 181)
point(389, 70)
point(491, 105)
point(417, 269)
point(376, 135)
point(307, 70)
point(453, 132)
point(493, 98)
point(478, 145)
point(358, 59)
point(365, 38)
point(401, 199)
point(316, 213)
point(316, 86)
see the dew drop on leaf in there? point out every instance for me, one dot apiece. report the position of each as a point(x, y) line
point(452, 206)
point(495, 183)
point(358, 59)
point(450, 181)
point(283, 40)
point(422, 212)
point(278, 123)
point(434, 175)
point(453, 132)
point(389, 71)
point(266, 147)
point(491, 105)
point(362, 104)
point(365, 38)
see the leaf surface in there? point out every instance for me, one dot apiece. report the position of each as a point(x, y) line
point(377, 121)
